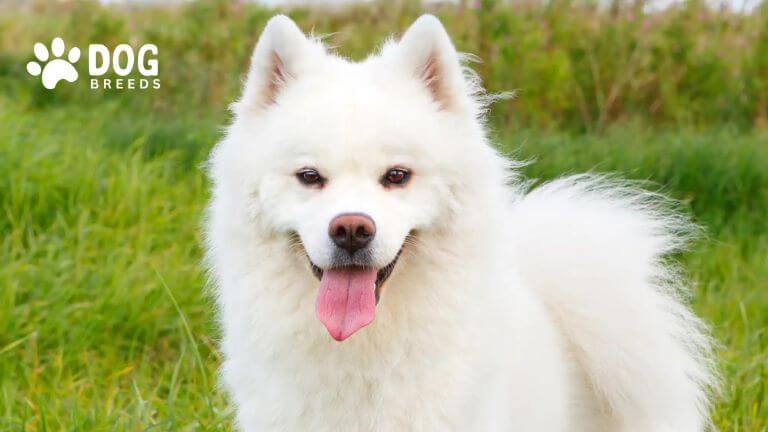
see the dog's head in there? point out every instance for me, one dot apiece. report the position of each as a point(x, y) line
point(353, 159)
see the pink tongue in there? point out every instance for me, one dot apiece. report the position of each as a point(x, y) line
point(346, 301)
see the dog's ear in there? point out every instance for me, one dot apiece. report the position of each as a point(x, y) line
point(428, 54)
point(281, 55)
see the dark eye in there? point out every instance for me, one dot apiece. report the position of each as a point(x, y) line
point(396, 177)
point(310, 177)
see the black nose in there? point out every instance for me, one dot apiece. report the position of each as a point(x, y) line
point(352, 231)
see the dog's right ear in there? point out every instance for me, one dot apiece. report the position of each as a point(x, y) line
point(280, 56)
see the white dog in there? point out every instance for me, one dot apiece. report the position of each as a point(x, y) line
point(346, 191)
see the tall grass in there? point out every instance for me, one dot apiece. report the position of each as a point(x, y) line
point(575, 66)
point(98, 248)
point(104, 324)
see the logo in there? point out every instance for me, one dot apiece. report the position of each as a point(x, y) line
point(123, 61)
point(57, 69)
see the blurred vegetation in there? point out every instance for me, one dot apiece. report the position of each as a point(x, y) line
point(575, 66)
point(104, 322)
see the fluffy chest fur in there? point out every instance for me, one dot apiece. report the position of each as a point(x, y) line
point(458, 360)
point(407, 371)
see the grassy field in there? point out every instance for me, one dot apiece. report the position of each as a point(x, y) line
point(104, 320)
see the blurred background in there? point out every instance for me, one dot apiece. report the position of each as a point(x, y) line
point(105, 323)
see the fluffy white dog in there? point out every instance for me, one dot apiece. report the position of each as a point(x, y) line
point(344, 191)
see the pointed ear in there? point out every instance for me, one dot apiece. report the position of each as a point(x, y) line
point(428, 54)
point(280, 56)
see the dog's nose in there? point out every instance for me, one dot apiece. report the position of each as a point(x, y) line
point(352, 231)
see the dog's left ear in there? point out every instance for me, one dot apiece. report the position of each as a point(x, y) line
point(428, 54)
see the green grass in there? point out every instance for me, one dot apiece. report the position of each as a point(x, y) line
point(575, 67)
point(104, 320)
point(99, 244)
point(104, 324)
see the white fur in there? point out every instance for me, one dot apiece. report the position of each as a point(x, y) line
point(509, 310)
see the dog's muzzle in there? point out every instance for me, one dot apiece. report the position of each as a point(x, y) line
point(350, 288)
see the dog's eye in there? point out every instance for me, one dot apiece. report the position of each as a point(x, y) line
point(396, 177)
point(310, 177)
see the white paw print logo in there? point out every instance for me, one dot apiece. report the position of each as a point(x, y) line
point(57, 69)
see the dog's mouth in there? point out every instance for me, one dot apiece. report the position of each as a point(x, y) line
point(381, 275)
point(348, 295)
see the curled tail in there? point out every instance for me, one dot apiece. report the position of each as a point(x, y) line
point(597, 252)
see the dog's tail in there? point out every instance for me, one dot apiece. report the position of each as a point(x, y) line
point(597, 252)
